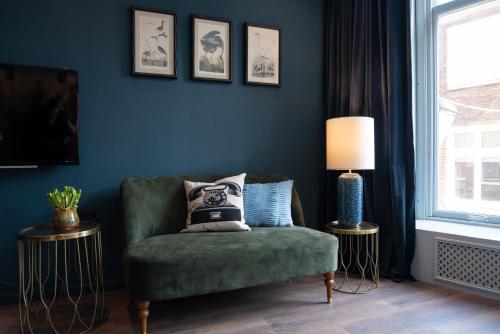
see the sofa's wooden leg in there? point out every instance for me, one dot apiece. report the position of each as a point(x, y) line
point(142, 314)
point(329, 277)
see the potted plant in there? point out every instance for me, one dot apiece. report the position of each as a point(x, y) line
point(65, 204)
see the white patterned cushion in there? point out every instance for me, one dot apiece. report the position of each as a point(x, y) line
point(216, 206)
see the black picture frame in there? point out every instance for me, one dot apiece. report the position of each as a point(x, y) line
point(136, 71)
point(248, 81)
point(194, 45)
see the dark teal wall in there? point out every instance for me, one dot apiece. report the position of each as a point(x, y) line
point(133, 126)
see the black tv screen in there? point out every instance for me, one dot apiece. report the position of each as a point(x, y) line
point(38, 116)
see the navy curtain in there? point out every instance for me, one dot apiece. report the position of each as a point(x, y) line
point(368, 73)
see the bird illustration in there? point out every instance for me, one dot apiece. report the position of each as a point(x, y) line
point(155, 37)
point(160, 28)
point(162, 50)
point(212, 41)
point(162, 35)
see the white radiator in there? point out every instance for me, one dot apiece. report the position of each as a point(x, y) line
point(471, 264)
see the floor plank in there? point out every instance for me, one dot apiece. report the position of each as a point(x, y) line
point(298, 307)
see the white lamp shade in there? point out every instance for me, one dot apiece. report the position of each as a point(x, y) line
point(350, 143)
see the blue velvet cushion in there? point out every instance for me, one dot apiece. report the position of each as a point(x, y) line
point(268, 204)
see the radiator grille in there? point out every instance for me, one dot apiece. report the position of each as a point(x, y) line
point(466, 263)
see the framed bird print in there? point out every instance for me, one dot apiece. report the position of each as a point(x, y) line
point(211, 49)
point(263, 55)
point(153, 42)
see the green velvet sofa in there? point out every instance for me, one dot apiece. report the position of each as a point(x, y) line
point(161, 263)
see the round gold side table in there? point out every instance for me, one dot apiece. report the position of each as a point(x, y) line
point(358, 254)
point(60, 278)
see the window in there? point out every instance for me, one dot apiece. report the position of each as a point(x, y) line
point(464, 179)
point(458, 109)
point(490, 181)
point(490, 138)
point(464, 140)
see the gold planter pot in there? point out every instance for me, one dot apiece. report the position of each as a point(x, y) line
point(65, 219)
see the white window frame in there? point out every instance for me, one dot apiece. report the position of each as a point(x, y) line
point(426, 103)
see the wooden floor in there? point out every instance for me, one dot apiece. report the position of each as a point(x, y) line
point(299, 307)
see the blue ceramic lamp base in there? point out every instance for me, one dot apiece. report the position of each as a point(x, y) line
point(350, 199)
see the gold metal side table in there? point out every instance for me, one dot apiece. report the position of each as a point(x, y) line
point(358, 255)
point(60, 279)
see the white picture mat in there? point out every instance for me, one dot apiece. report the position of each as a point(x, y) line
point(143, 31)
point(263, 42)
point(201, 27)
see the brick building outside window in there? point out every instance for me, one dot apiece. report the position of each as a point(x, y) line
point(468, 51)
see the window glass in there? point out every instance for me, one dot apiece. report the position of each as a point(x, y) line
point(491, 171)
point(468, 107)
point(472, 47)
point(464, 140)
point(464, 180)
point(490, 181)
point(491, 139)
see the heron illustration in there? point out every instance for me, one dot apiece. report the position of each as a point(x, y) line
point(212, 41)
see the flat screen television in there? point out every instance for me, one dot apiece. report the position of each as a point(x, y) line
point(38, 116)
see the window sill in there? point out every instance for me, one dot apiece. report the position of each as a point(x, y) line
point(465, 230)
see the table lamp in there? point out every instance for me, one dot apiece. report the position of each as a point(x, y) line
point(350, 146)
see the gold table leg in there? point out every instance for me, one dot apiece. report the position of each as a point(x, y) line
point(43, 263)
point(353, 259)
